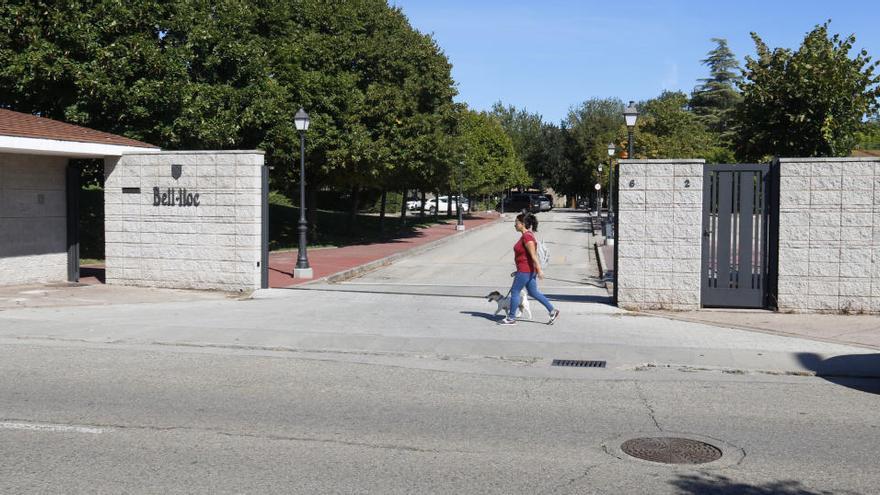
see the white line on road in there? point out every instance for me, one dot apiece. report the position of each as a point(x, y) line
point(50, 427)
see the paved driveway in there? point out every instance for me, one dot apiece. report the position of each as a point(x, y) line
point(482, 262)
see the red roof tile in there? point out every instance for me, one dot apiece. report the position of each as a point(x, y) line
point(30, 126)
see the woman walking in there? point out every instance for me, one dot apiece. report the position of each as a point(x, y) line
point(528, 268)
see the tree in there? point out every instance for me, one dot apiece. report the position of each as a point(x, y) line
point(714, 100)
point(563, 156)
point(525, 130)
point(810, 102)
point(490, 162)
point(667, 129)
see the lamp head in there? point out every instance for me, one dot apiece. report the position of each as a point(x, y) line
point(301, 120)
point(611, 149)
point(631, 114)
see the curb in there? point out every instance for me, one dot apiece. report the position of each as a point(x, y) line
point(388, 260)
point(603, 268)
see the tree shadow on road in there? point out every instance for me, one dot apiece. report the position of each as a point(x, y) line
point(706, 484)
point(857, 371)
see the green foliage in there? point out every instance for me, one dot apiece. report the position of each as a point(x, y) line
point(230, 74)
point(808, 102)
point(525, 130)
point(714, 100)
point(568, 171)
point(868, 138)
point(490, 162)
point(667, 129)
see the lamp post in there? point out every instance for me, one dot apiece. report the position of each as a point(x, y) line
point(460, 225)
point(302, 270)
point(631, 115)
point(611, 150)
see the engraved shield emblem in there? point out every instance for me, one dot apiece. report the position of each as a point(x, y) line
point(176, 171)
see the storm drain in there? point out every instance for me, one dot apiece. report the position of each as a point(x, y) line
point(671, 450)
point(578, 363)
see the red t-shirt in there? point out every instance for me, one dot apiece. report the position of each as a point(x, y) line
point(521, 257)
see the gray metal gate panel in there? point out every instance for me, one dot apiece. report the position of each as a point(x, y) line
point(735, 244)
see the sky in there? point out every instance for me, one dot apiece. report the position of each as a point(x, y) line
point(547, 56)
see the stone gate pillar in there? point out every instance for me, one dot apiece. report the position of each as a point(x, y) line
point(660, 234)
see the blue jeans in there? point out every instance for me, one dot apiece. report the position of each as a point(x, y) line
point(530, 282)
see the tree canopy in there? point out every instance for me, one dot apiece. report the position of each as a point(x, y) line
point(808, 102)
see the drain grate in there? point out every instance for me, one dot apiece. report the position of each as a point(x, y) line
point(578, 363)
point(671, 450)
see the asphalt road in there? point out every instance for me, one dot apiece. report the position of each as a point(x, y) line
point(400, 382)
point(86, 419)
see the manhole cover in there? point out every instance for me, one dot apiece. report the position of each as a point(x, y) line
point(671, 450)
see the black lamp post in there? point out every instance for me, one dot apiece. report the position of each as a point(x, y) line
point(302, 270)
point(460, 225)
point(631, 115)
point(611, 150)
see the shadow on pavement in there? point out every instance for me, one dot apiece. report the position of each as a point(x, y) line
point(857, 371)
point(480, 314)
point(708, 484)
point(579, 298)
point(99, 273)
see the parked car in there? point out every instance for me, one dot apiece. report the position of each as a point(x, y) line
point(415, 204)
point(546, 203)
point(431, 205)
point(522, 201)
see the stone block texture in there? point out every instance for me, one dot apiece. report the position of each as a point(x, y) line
point(33, 219)
point(659, 235)
point(829, 239)
point(210, 241)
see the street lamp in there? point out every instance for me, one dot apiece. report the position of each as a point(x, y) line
point(631, 114)
point(302, 270)
point(611, 150)
point(460, 225)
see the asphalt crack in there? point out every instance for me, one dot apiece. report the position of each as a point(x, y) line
point(648, 406)
point(570, 482)
point(109, 427)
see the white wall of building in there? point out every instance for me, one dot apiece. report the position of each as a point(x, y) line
point(33, 219)
point(214, 244)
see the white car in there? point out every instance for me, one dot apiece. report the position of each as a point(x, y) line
point(431, 205)
point(415, 204)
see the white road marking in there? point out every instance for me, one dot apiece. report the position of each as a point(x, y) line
point(50, 427)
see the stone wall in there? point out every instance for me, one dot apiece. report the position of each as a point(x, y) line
point(829, 235)
point(659, 236)
point(33, 219)
point(185, 219)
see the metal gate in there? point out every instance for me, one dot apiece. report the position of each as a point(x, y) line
point(736, 233)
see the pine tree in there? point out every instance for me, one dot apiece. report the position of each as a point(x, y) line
point(714, 99)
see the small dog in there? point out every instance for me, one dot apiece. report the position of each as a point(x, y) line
point(504, 303)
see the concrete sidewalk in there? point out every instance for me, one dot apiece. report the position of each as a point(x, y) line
point(859, 330)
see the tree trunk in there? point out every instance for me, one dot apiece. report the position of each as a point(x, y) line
point(436, 206)
point(382, 204)
point(353, 207)
point(449, 205)
point(423, 203)
point(403, 209)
